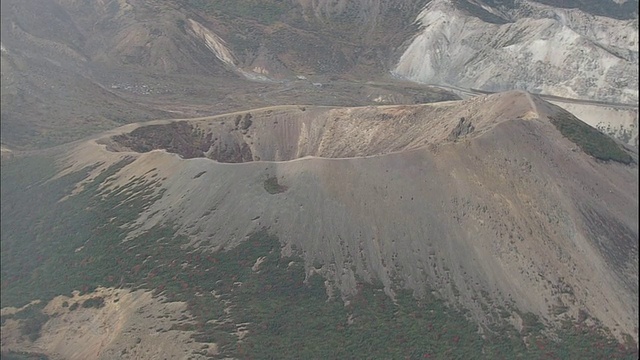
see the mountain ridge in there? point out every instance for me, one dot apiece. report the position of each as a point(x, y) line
point(468, 174)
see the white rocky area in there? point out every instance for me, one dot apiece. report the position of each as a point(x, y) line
point(533, 47)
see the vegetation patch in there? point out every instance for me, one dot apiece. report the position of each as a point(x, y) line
point(264, 11)
point(243, 122)
point(94, 302)
point(21, 355)
point(32, 325)
point(272, 186)
point(590, 140)
point(32, 319)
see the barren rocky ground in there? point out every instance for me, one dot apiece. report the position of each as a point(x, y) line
point(517, 207)
point(122, 324)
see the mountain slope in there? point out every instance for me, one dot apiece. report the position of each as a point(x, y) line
point(504, 206)
point(528, 46)
point(484, 195)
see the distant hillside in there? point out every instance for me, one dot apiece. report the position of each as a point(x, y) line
point(542, 49)
point(72, 68)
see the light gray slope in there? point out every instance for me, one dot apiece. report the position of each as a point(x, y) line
point(542, 49)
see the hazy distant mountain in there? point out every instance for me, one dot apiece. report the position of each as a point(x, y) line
point(544, 49)
point(125, 61)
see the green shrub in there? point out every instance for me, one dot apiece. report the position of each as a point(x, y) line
point(32, 325)
point(264, 11)
point(590, 140)
point(94, 302)
point(15, 355)
point(272, 186)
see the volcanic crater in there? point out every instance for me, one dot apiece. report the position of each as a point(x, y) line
point(287, 133)
point(498, 193)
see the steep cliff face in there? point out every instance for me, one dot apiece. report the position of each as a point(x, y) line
point(530, 46)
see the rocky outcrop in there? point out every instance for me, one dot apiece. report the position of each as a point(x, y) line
point(539, 48)
point(463, 128)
